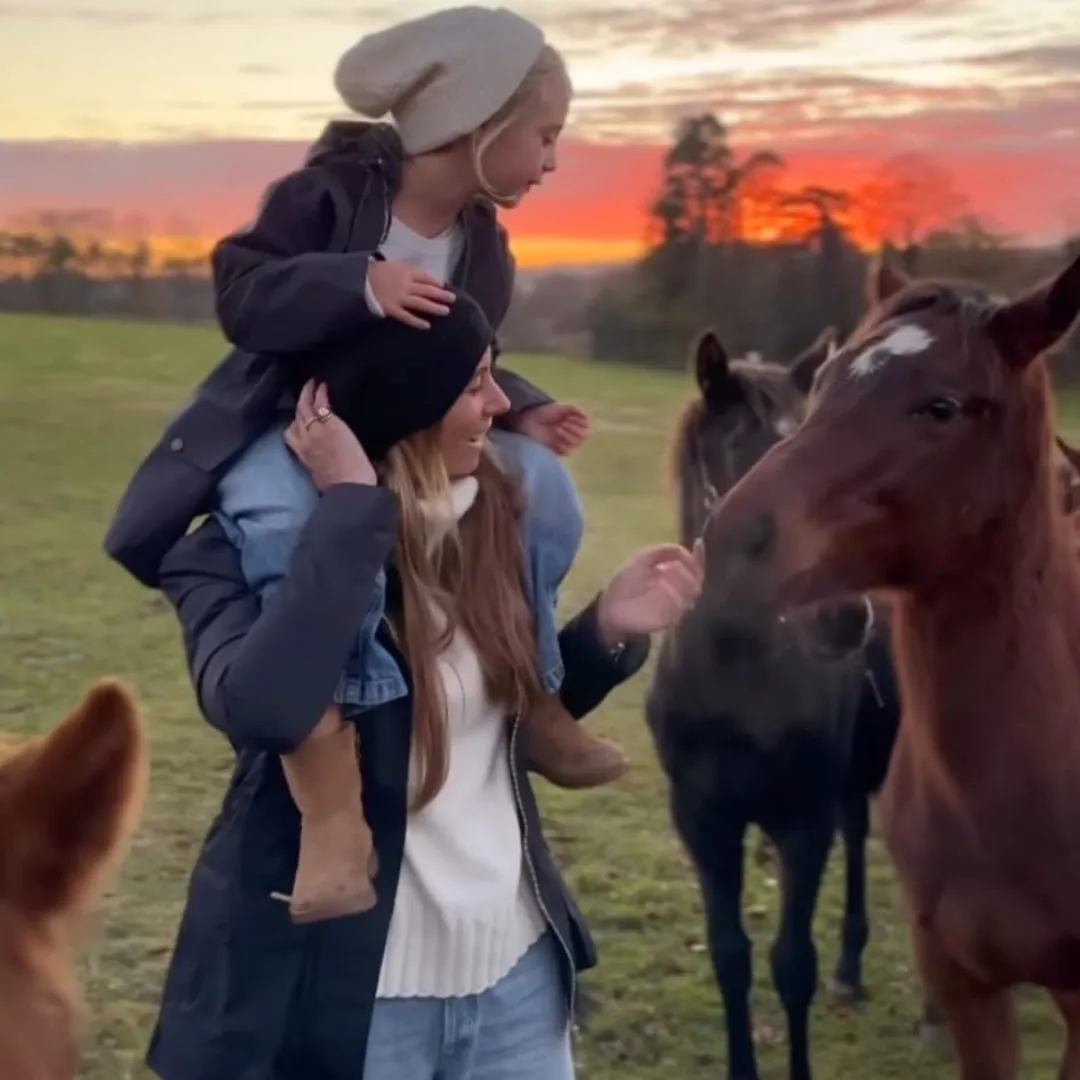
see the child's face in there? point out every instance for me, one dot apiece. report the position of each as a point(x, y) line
point(465, 427)
point(520, 158)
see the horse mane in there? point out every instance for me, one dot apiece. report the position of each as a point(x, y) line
point(683, 459)
point(944, 295)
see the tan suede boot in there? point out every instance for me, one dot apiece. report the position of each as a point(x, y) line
point(565, 752)
point(337, 855)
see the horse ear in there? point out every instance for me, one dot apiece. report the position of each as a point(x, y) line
point(712, 369)
point(74, 797)
point(1040, 318)
point(805, 366)
point(883, 280)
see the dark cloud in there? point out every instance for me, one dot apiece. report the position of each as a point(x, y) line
point(699, 26)
point(799, 106)
point(289, 106)
point(1049, 60)
point(371, 16)
point(119, 17)
point(215, 183)
point(261, 69)
point(672, 29)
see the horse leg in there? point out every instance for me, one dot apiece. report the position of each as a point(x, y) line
point(803, 851)
point(984, 1034)
point(1069, 1007)
point(981, 1021)
point(716, 845)
point(847, 986)
point(933, 1033)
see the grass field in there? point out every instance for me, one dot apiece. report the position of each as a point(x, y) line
point(79, 403)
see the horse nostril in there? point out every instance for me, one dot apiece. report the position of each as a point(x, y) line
point(759, 539)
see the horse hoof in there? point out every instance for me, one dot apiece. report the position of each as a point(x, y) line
point(934, 1042)
point(846, 996)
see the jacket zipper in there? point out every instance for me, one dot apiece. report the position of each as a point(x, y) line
point(460, 272)
point(532, 869)
point(386, 203)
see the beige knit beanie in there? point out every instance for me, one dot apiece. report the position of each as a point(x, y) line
point(442, 75)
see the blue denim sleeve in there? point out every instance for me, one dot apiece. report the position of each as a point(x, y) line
point(264, 673)
point(265, 500)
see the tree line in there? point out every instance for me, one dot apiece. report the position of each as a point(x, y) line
point(732, 247)
point(730, 244)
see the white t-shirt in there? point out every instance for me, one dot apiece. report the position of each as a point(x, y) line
point(438, 255)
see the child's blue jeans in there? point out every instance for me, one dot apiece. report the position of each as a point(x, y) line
point(267, 496)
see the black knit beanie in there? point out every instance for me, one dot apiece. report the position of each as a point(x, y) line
point(392, 381)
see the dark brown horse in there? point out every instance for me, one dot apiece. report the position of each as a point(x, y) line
point(766, 720)
point(925, 472)
point(67, 802)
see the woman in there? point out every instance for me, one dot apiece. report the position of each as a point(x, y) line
point(466, 967)
point(264, 502)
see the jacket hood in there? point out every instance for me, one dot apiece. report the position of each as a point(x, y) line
point(357, 142)
point(373, 145)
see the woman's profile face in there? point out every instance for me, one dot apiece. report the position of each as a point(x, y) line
point(465, 426)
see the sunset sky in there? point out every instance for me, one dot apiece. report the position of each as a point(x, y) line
point(174, 114)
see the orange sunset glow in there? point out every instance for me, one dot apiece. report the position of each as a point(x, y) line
point(104, 110)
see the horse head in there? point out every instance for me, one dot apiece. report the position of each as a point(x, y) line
point(67, 803)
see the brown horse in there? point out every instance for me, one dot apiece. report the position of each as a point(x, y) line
point(924, 472)
point(67, 802)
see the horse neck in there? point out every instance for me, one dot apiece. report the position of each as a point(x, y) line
point(985, 656)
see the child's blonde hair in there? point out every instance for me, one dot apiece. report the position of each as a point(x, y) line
point(549, 64)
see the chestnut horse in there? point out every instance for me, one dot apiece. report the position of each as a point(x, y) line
point(67, 802)
point(924, 472)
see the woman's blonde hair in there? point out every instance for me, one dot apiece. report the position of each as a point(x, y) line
point(548, 64)
point(472, 581)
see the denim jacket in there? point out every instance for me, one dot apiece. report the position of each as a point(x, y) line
point(264, 501)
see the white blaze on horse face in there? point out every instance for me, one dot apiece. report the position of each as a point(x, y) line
point(908, 339)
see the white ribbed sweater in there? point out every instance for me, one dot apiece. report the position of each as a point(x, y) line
point(465, 910)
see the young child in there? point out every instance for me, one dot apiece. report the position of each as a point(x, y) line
point(375, 224)
point(479, 100)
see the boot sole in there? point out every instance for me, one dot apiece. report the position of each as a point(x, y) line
point(582, 781)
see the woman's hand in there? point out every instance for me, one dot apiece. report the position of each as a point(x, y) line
point(402, 290)
point(651, 592)
point(324, 444)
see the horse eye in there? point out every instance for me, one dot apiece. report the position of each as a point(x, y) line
point(942, 409)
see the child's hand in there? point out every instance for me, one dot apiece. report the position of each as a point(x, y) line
point(402, 290)
point(560, 427)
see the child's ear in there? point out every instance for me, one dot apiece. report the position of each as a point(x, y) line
point(72, 797)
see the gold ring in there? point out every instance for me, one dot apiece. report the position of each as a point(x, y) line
point(322, 414)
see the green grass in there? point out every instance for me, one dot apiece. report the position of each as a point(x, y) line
point(79, 403)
